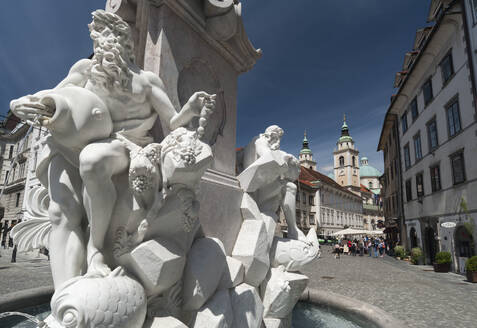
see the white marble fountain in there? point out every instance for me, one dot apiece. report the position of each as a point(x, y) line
point(146, 221)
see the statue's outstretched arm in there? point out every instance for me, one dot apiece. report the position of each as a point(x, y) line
point(29, 106)
point(163, 105)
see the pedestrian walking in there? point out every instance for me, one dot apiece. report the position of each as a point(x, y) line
point(361, 247)
point(14, 254)
point(337, 251)
point(354, 248)
point(381, 248)
point(375, 247)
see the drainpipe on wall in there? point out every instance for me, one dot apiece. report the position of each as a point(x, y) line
point(469, 56)
point(403, 228)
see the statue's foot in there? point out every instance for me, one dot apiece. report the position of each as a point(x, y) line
point(97, 266)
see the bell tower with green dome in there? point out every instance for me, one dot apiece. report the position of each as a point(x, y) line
point(306, 156)
point(346, 161)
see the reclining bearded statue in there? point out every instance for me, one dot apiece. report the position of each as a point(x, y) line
point(106, 178)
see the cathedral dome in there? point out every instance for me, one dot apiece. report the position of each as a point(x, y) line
point(367, 170)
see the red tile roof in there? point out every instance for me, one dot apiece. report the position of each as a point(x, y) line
point(364, 189)
point(308, 176)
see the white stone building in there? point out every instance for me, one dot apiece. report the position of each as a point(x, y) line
point(323, 203)
point(437, 135)
point(12, 176)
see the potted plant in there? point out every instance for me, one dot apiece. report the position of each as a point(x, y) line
point(400, 252)
point(471, 269)
point(416, 255)
point(443, 262)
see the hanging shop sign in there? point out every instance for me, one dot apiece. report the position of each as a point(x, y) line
point(448, 224)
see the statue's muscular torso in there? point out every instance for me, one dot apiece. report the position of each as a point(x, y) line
point(131, 110)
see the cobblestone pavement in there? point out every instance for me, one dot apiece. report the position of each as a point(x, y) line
point(414, 294)
point(30, 271)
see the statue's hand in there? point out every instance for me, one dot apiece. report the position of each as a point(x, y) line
point(200, 100)
point(30, 107)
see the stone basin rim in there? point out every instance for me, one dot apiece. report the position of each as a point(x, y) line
point(35, 296)
point(26, 298)
point(362, 310)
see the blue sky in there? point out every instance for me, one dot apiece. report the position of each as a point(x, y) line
point(321, 58)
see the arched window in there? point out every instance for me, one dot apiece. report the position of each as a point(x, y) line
point(341, 161)
point(370, 183)
point(354, 161)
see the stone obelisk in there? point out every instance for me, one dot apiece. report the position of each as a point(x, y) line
point(199, 45)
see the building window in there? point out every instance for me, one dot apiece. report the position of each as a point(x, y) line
point(432, 134)
point(407, 157)
point(408, 190)
point(6, 176)
point(427, 91)
point(453, 118)
point(354, 161)
point(297, 196)
point(303, 198)
point(435, 178)
point(312, 219)
point(311, 200)
point(417, 146)
point(419, 185)
point(447, 68)
point(404, 122)
point(17, 201)
point(10, 152)
point(414, 110)
point(22, 169)
point(341, 161)
point(458, 169)
point(370, 184)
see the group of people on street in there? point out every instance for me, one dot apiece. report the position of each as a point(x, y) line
point(373, 247)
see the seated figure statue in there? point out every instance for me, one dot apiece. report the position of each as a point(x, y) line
point(269, 177)
point(102, 170)
point(103, 107)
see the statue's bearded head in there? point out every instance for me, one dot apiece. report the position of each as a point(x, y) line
point(273, 134)
point(113, 50)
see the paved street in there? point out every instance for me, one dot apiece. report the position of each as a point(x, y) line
point(414, 294)
point(30, 271)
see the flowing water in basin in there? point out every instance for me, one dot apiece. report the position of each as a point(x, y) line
point(305, 315)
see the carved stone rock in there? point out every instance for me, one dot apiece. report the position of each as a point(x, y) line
point(280, 292)
point(233, 274)
point(251, 248)
point(263, 171)
point(247, 306)
point(205, 265)
point(270, 221)
point(249, 208)
point(161, 263)
point(216, 313)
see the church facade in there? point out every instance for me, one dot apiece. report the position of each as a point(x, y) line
point(358, 177)
point(321, 202)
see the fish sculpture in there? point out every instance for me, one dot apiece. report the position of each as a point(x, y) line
point(295, 254)
point(94, 301)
